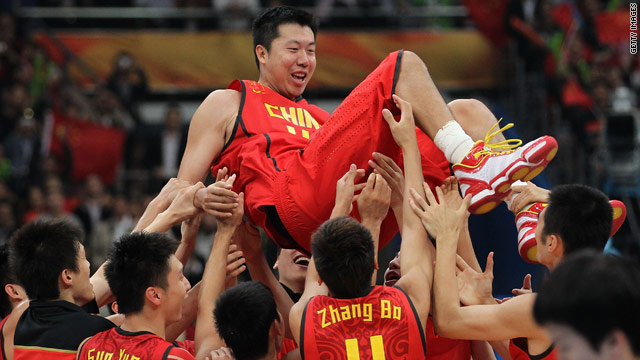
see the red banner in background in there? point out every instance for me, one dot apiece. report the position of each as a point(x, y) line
point(613, 27)
point(94, 149)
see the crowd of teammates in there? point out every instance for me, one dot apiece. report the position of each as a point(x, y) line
point(280, 163)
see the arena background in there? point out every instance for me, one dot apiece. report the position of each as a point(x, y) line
point(90, 87)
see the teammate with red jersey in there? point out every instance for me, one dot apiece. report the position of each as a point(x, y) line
point(288, 155)
point(577, 217)
point(147, 280)
point(346, 318)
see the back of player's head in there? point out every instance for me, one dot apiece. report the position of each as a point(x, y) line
point(580, 215)
point(265, 26)
point(136, 262)
point(6, 277)
point(244, 315)
point(343, 252)
point(40, 251)
point(594, 294)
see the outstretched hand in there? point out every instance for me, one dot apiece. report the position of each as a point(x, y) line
point(442, 217)
point(392, 174)
point(525, 289)
point(373, 202)
point(232, 221)
point(181, 208)
point(218, 199)
point(523, 195)
point(345, 191)
point(475, 288)
point(235, 265)
point(403, 131)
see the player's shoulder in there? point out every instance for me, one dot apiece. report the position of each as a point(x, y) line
point(219, 106)
point(223, 97)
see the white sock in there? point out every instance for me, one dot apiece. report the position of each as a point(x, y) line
point(453, 141)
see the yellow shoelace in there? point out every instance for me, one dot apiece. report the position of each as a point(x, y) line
point(501, 146)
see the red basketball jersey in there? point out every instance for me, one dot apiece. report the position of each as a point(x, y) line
point(119, 344)
point(381, 325)
point(519, 350)
point(270, 130)
point(442, 348)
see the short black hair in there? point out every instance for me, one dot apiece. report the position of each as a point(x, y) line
point(594, 294)
point(40, 251)
point(265, 26)
point(137, 261)
point(6, 277)
point(243, 317)
point(342, 250)
point(581, 215)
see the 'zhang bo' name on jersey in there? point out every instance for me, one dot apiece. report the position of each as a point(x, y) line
point(330, 315)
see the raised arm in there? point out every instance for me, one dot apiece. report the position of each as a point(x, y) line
point(213, 282)
point(181, 209)
point(477, 322)
point(394, 177)
point(312, 287)
point(415, 255)
point(373, 206)
point(248, 239)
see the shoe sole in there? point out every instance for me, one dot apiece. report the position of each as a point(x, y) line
point(530, 165)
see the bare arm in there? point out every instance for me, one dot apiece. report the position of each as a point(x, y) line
point(312, 287)
point(373, 205)
point(189, 231)
point(248, 238)
point(393, 175)
point(415, 255)
point(207, 134)
point(475, 322)
point(213, 282)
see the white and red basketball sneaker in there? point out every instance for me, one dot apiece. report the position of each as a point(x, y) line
point(488, 170)
point(527, 221)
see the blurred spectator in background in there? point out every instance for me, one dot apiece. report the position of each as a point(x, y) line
point(15, 100)
point(235, 14)
point(129, 82)
point(109, 112)
point(94, 205)
point(23, 150)
point(108, 230)
point(8, 222)
point(35, 206)
point(165, 148)
point(55, 209)
point(5, 165)
point(9, 47)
